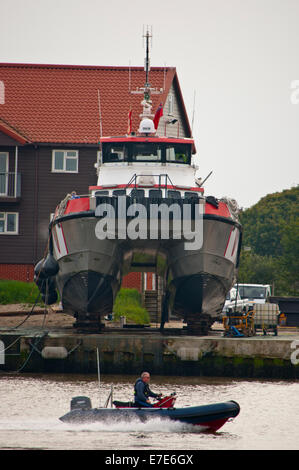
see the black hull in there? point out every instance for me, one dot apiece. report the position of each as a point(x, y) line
point(210, 417)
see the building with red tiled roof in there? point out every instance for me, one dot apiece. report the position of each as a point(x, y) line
point(64, 108)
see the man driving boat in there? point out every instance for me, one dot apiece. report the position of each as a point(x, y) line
point(142, 391)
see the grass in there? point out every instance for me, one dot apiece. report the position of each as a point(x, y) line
point(128, 304)
point(17, 292)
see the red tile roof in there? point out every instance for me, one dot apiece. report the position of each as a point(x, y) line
point(59, 103)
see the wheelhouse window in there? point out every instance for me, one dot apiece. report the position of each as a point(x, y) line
point(9, 223)
point(113, 153)
point(65, 161)
point(146, 152)
point(178, 153)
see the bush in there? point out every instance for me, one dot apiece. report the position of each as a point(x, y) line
point(128, 304)
point(17, 292)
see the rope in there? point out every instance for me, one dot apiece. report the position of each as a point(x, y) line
point(68, 352)
point(25, 319)
point(38, 339)
point(14, 342)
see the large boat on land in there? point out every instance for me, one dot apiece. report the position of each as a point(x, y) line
point(148, 212)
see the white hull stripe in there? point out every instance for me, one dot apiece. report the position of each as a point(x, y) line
point(60, 245)
point(232, 245)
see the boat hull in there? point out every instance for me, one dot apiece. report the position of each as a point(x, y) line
point(210, 417)
point(195, 280)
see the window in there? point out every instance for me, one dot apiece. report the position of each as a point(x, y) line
point(102, 193)
point(252, 292)
point(65, 161)
point(9, 223)
point(137, 193)
point(174, 194)
point(114, 153)
point(146, 153)
point(119, 192)
point(191, 195)
point(155, 193)
point(3, 173)
point(178, 153)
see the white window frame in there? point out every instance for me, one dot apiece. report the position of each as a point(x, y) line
point(6, 176)
point(65, 151)
point(6, 232)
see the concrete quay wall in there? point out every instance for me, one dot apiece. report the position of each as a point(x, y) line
point(255, 357)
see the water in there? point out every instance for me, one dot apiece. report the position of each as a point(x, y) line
point(32, 404)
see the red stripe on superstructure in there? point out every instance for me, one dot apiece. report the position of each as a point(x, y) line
point(155, 186)
point(160, 140)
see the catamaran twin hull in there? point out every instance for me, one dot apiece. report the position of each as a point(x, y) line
point(196, 278)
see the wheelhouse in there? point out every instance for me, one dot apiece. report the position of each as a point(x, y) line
point(146, 150)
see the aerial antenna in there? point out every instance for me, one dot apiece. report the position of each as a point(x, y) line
point(147, 90)
point(147, 37)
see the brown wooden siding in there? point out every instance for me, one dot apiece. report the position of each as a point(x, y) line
point(7, 140)
point(41, 192)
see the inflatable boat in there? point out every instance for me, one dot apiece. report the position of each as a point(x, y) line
point(211, 417)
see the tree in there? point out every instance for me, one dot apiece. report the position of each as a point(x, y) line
point(271, 230)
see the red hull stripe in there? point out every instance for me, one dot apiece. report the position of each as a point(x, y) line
point(214, 425)
point(77, 205)
point(221, 210)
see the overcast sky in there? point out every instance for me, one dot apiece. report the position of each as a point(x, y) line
point(239, 57)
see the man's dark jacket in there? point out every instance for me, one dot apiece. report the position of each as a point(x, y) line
point(142, 391)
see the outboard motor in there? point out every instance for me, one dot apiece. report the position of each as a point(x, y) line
point(80, 403)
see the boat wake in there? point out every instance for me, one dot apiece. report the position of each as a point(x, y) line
point(109, 426)
point(136, 426)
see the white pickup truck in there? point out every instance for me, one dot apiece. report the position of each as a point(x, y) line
point(257, 293)
point(234, 302)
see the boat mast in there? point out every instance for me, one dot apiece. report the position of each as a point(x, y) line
point(147, 85)
point(146, 126)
